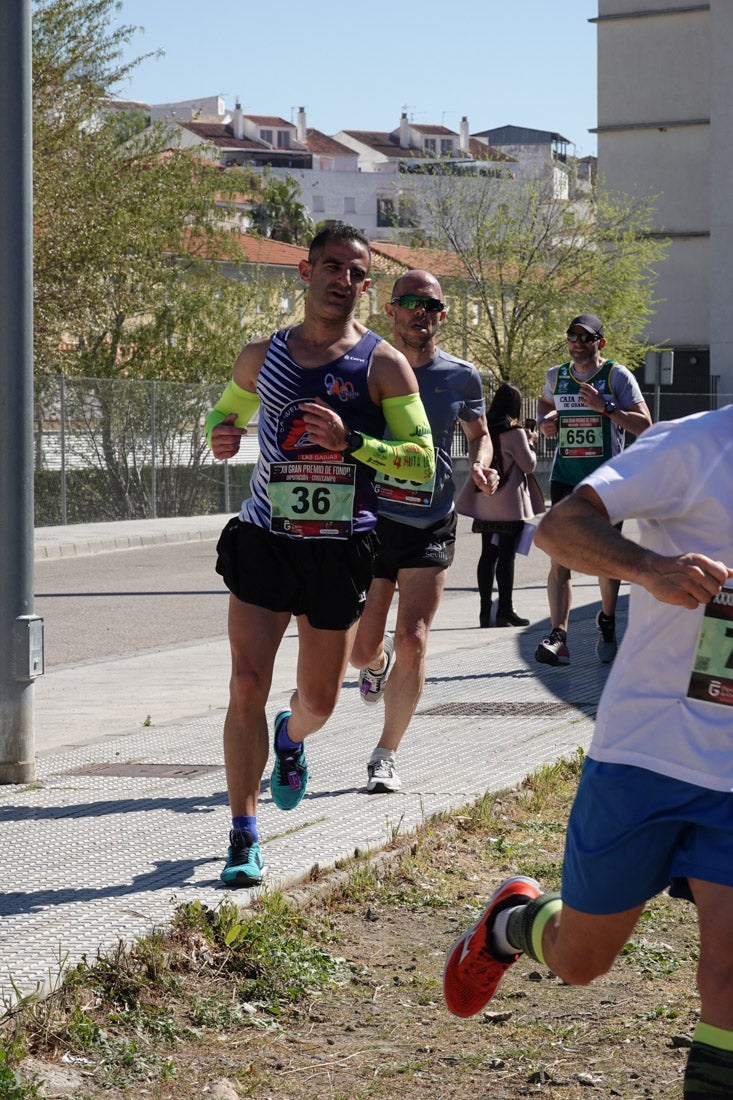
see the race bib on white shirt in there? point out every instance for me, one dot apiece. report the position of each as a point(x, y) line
point(712, 670)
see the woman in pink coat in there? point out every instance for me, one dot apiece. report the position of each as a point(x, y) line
point(510, 506)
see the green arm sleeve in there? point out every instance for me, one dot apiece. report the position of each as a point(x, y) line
point(233, 400)
point(409, 453)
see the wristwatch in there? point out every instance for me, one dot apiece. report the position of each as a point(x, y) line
point(610, 408)
point(354, 440)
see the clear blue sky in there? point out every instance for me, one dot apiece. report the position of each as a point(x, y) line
point(359, 65)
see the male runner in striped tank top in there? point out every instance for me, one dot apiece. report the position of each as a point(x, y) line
point(303, 543)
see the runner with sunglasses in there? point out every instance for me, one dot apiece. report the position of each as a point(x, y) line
point(417, 523)
point(588, 405)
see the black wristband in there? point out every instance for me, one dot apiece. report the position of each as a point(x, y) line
point(354, 440)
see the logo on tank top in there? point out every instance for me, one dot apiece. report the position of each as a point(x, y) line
point(336, 387)
point(291, 431)
point(293, 440)
point(296, 438)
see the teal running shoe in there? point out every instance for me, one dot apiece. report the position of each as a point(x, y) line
point(289, 777)
point(244, 866)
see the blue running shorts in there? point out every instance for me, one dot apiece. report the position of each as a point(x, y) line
point(633, 833)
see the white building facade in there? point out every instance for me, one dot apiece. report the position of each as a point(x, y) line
point(371, 179)
point(665, 129)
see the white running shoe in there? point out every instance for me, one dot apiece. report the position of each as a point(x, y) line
point(371, 683)
point(383, 777)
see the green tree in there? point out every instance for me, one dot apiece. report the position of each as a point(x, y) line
point(135, 241)
point(139, 274)
point(528, 263)
point(278, 212)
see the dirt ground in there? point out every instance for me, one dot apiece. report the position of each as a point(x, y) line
point(382, 1029)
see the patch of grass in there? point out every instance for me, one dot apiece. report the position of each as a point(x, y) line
point(126, 1011)
point(539, 790)
point(342, 997)
point(11, 1086)
point(358, 885)
point(651, 960)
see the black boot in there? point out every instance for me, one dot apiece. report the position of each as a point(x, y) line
point(510, 618)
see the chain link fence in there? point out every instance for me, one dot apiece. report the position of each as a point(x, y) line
point(118, 449)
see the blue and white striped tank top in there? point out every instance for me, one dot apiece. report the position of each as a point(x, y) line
point(297, 489)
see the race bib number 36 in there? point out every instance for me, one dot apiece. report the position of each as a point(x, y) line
point(581, 435)
point(712, 671)
point(312, 499)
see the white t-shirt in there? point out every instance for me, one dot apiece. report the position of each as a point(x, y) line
point(677, 481)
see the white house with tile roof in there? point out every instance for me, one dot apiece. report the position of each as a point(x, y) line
point(370, 178)
point(424, 149)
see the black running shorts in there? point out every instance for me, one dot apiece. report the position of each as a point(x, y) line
point(324, 580)
point(404, 547)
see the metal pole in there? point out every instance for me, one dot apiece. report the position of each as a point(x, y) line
point(20, 654)
point(465, 319)
point(64, 514)
point(153, 453)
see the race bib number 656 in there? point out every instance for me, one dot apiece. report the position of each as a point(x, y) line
point(581, 435)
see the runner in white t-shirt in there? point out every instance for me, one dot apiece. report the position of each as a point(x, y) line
point(654, 806)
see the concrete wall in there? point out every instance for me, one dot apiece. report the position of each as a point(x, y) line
point(721, 193)
point(336, 190)
point(682, 311)
point(665, 119)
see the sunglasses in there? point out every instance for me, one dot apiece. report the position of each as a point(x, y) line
point(583, 337)
point(414, 301)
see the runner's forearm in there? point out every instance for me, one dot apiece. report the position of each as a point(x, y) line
point(578, 534)
point(409, 453)
point(233, 400)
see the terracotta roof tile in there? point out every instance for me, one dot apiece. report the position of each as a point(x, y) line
point(388, 145)
point(262, 250)
point(257, 250)
point(318, 142)
point(380, 141)
point(422, 128)
point(269, 120)
point(393, 259)
point(480, 151)
point(221, 134)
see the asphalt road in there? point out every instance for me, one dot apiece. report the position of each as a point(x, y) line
point(129, 602)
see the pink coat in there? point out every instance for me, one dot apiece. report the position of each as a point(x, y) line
point(510, 503)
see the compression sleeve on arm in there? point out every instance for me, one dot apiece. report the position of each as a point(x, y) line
point(409, 454)
point(233, 400)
